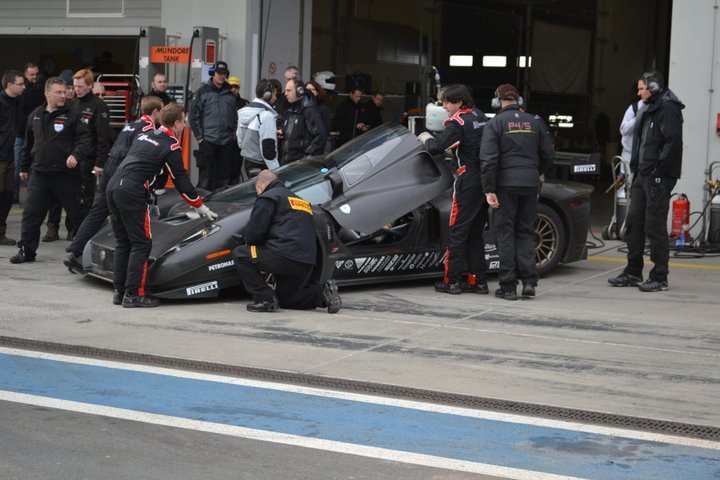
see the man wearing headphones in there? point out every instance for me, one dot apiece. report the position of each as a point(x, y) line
point(213, 119)
point(516, 150)
point(656, 164)
point(303, 129)
point(257, 132)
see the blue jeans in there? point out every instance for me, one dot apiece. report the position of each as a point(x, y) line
point(19, 143)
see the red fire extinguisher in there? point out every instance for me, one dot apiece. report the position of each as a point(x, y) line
point(681, 218)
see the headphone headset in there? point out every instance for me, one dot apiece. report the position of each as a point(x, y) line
point(299, 86)
point(214, 66)
point(495, 102)
point(267, 94)
point(652, 83)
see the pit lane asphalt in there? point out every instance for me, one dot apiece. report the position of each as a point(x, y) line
point(580, 344)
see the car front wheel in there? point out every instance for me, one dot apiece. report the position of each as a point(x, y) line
point(550, 240)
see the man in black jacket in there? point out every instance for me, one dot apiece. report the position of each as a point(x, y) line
point(94, 220)
point(656, 164)
point(56, 143)
point(350, 117)
point(516, 150)
point(280, 239)
point(158, 88)
point(13, 86)
point(32, 97)
point(465, 257)
point(127, 195)
point(213, 119)
point(303, 129)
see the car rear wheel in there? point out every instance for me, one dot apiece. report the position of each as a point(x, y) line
point(550, 240)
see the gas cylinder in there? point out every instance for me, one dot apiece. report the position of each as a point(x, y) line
point(714, 228)
point(681, 218)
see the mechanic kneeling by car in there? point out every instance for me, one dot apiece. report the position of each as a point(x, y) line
point(127, 196)
point(280, 239)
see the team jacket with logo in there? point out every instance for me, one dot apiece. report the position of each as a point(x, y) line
point(150, 153)
point(94, 114)
point(51, 137)
point(463, 133)
point(122, 145)
point(283, 222)
point(516, 149)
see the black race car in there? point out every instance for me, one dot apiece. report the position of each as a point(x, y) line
point(381, 205)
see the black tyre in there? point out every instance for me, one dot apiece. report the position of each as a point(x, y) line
point(550, 240)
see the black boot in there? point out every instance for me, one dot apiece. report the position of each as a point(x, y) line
point(267, 305)
point(132, 301)
point(73, 264)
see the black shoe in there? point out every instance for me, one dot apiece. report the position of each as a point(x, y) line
point(22, 257)
point(653, 286)
point(118, 297)
point(625, 280)
point(7, 241)
point(528, 291)
point(132, 301)
point(263, 305)
point(506, 294)
point(453, 288)
point(480, 287)
point(331, 297)
point(74, 265)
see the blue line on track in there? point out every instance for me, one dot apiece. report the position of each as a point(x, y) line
point(527, 447)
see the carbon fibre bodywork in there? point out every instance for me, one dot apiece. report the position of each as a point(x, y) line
point(381, 205)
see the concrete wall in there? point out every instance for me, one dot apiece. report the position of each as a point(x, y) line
point(695, 79)
point(285, 29)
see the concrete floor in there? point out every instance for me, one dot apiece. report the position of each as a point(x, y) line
point(579, 344)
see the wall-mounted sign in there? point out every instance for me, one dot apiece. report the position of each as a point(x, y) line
point(209, 51)
point(166, 54)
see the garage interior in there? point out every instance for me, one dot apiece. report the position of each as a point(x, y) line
point(578, 58)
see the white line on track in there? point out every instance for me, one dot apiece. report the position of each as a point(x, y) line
point(281, 438)
point(429, 407)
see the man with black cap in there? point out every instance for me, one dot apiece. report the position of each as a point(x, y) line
point(516, 150)
point(213, 119)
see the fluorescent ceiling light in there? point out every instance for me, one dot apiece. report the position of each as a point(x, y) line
point(494, 61)
point(522, 60)
point(461, 60)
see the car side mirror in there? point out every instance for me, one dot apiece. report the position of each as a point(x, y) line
point(335, 181)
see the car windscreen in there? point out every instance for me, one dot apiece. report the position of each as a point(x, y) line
point(365, 144)
point(305, 178)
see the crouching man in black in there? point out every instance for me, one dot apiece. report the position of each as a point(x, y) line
point(280, 239)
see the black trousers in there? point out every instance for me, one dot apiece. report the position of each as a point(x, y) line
point(7, 189)
point(87, 195)
point(92, 223)
point(292, 279)
point(130, 216)
point(219, 161)
point(466, 247)
point(42, 189)
point(514, 223)
point(647, 216)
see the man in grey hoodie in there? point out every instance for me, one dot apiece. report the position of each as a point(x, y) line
point(257, 130)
